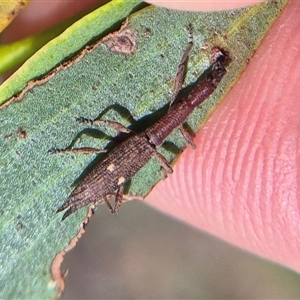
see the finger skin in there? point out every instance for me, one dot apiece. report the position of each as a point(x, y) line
point(203, 5)
point(242, 182)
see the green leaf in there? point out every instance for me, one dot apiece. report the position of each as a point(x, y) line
point(68, 43)
point(34, 184)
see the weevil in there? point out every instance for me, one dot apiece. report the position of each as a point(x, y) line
point(125, 160)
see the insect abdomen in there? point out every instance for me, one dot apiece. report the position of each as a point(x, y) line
point(109, 174)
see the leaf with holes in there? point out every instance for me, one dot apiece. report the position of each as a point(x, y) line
point(137, 83)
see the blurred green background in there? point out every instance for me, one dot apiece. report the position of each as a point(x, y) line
point(142, 254)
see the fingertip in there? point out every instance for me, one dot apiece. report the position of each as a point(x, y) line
point(240, 184)
point(203, 5)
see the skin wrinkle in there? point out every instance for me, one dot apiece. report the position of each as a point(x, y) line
point(222, 135)
point(283, 137)
point(287, 239)
point(206, 205)
point(234, 139)
point(221, 139)
point(298, 177)
point(198, 201)
point(216, 196)
point(183, 173)
point(240, 145)
point(215, 142)
point(268, 166)
point(219, 204)
point(297, 144)
point(230, 183)
point(253, 223)
point(242, 206)
point(174, 188)
point(214, 175)
point(266, 193)
point(206, 165)
point(271, 157)
point(257, 178)
point(190, 170)
point(256, 204)
point(240, 209)
point(216, 207)
point(257, 139)
point(278, 134)
point(286, 150)
point(279, 131)
point(266, 163)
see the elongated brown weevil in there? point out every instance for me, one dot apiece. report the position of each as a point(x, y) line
point(126, 159)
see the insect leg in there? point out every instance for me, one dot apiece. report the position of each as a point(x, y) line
point(182, 67)
point(187, 136)
point(83, 150)
point(118, 199)
point(108, 204)
point(115, 125)
point(71, 209)
point(67, 213)
point(166, 168)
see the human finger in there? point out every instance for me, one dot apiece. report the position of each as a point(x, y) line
point(241, 183)
point(203, 5)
